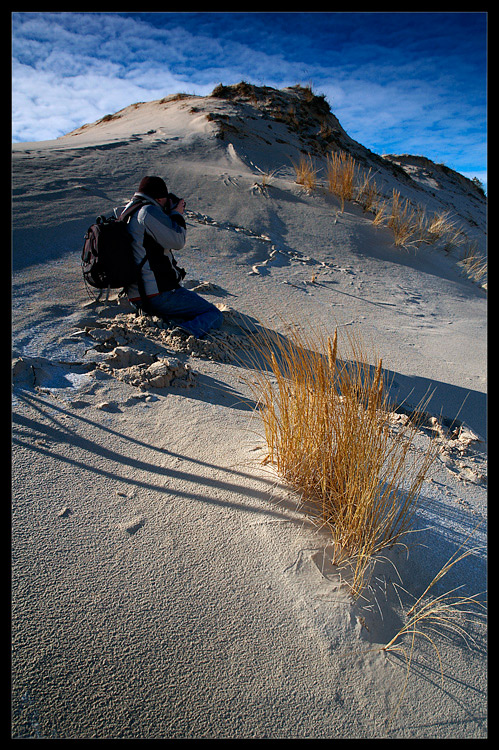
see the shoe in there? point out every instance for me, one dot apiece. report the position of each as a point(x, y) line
point(180, 332)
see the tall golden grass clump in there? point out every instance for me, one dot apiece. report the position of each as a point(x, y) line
point(329, 435)
point(340, 175)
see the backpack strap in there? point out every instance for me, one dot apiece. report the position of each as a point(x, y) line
point(124, 216)
point(131, 209)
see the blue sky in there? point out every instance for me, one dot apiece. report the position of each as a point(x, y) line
point(398, 82)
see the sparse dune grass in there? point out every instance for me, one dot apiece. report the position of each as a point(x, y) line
point(404, 221)
point(441, 612)
point(329, 435)
point(411, 224)
point(341, 176)
point(446, 614)
point(306, 173)
point(367, 191)
point(380, 212)
point(473, 263)
point(440, 227)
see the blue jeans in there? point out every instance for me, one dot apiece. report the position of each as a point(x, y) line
point(186, 309)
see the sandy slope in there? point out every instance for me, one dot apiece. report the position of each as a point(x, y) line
point(165, 584)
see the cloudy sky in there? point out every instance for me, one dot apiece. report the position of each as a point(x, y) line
point(398, 82)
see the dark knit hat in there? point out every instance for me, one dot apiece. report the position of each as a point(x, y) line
point(154, 187)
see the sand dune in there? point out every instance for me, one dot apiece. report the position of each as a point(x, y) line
point(165, 583)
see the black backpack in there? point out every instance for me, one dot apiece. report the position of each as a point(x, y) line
point(107, 260)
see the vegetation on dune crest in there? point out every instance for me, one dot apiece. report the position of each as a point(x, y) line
point(410, 224)
point(309, 116)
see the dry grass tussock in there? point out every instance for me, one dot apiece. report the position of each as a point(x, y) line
point(306, 173)
point(473, 263)
point(441, 227)
point(404, 221)
point(367, 192)
point(329, 435)
point(411, 224)
point(341, 176)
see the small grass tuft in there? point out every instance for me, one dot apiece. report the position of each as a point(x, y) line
point(367, 192)
point(474, 264)
point(306, 173)
point(403, 221)
point(433, 616)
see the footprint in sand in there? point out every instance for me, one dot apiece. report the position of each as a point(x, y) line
point(131, 526)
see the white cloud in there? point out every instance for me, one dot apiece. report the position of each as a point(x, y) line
point(69, 69)
point(72, 68)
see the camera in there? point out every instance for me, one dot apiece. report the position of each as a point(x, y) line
point(174, 201)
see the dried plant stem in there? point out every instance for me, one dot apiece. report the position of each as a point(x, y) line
point(438, 614)
point(438, 609)
point(329, 435)
point(367, 193)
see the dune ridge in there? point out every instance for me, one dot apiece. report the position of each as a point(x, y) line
point(167, 583)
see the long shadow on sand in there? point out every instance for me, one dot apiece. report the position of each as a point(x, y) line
point(68, 446)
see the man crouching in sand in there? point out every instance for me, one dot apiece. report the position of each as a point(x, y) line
point(157, 228)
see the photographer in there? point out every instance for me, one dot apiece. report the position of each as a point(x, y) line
point(157, 229)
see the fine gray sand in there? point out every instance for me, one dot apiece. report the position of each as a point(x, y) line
point(165, 582)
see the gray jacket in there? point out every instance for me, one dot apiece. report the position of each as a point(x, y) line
point(154, 235)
